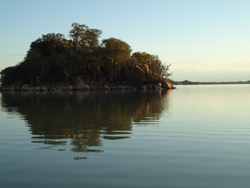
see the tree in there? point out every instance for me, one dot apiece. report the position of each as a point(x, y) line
point(49, 44)
point(9, 75)
point(92, 36)
point(81, 33)
point(78, 31)
point(152, 65)
point(117, 49)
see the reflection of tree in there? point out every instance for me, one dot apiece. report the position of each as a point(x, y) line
point(86, 118)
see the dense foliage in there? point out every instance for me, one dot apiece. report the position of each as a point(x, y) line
point(52, 58)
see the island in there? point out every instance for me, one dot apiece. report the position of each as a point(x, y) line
point(54, 63)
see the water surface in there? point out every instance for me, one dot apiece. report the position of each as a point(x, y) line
point(195, 136)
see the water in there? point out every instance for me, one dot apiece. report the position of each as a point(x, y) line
point(192, 137)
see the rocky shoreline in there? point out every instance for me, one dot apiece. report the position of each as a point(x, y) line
point(81, 85)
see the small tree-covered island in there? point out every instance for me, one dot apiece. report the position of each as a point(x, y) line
point(54, 63)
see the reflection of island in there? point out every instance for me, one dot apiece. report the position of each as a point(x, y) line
point(82, 120)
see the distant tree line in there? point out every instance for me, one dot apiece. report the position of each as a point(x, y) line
point(53, 58)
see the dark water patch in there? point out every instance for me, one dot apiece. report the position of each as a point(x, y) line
point(115, 137)
point(80, 158)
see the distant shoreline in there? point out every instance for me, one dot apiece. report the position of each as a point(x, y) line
point(186, 82)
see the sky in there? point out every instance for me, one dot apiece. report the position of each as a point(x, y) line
point(203, 40)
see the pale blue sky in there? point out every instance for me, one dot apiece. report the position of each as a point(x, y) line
point(204, 40)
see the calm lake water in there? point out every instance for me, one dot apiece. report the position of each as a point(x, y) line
point(191, 137)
